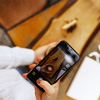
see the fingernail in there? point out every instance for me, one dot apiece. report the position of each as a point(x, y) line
point(38, 59)
point(24, 75)
point(31, 66)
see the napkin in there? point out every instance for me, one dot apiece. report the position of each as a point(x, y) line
point(86, 84)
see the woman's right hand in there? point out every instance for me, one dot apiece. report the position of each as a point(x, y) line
point(51, 91)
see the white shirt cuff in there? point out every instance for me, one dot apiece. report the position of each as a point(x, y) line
point(22, 56)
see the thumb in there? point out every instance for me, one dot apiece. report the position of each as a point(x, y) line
point(25, 75)
point(49, 89)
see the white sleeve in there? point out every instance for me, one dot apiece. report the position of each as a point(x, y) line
point(16, 56)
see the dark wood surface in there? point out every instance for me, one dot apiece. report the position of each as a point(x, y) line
point(14, 11)
point(23, 34)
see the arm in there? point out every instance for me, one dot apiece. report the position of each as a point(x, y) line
point(13, 57)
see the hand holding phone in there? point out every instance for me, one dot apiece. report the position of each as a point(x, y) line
point(58, 62)
point(51, 91)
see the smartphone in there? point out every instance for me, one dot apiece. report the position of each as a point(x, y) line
point(55, 64)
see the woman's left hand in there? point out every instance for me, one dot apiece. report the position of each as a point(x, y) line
point(41, 51)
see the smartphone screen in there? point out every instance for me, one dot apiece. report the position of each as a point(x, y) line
point(55, 64)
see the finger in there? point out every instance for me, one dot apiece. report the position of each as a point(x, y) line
point(46, 86)
point(25, 75)
point(32, 66)
point(53, 43)
point(38, 59)
point(38, 93)
point(50, 47)
point(56, 85)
